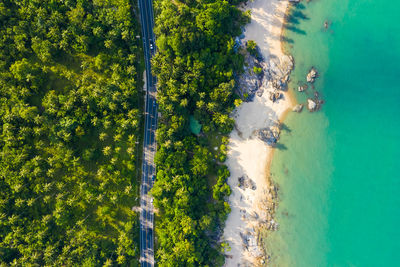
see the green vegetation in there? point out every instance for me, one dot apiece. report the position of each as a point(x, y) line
point(257, 70)
point(238, 102)
point(251, 47)
point(195, 66)
point(69, 123)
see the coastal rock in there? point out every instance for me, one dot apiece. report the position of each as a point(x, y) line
point(285, 79)
point(260, 92)
point(267, 76)
point(312, 75)
point(272, 225)
point(276, 84)
point(244, 239)
point(274, 96)
point(279, 69)
point(241, 182)
point(249, 83)
point(245, 182)
point(269, 135)
point(286, 64)
point(312, 106)
point(298, 108)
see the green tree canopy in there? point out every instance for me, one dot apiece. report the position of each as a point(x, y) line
point(196, 66)
point(69, 120)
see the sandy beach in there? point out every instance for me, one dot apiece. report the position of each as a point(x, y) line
point(248, 155)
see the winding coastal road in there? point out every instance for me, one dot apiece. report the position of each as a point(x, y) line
point(149, 145)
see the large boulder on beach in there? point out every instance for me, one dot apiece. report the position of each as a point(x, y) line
point(287, 64)
point(312, 74)
point(245, 182)
point(250, 82)
point(260, 92)
point(269, 135)
point(280, 68)
point(275, 95)
point(311, 105)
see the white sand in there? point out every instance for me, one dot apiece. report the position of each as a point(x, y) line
point(247, 154)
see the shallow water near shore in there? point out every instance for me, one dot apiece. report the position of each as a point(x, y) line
point(337, 168)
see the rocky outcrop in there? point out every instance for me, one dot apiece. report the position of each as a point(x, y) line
point(279, 71)
point(275, 95)
point(312, 75)
point(245, 182)
point(311, 105)
point(269, 135)
point(251, 83)
point(273, 74)
point(302, 88)
point(298, 108)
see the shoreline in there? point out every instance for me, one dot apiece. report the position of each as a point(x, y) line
point(254, 195)
point(282, 118)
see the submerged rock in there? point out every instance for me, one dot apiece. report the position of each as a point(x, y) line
point(312, 75)
point(298, 108)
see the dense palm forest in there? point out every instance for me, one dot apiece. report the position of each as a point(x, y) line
point(195, 65)
point(69, 132)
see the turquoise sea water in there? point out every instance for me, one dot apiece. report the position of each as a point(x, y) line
point(338, 168)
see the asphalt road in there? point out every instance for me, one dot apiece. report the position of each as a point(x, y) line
point(149, 145)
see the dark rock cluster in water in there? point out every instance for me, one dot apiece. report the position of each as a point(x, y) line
point(312, 75)
point(314, 102)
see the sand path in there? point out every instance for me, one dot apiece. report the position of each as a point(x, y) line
point(248, 155)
